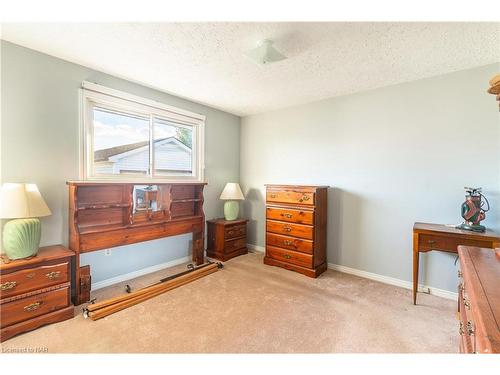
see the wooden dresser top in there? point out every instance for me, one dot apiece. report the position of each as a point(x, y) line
point(44, 255)
point(482, 275)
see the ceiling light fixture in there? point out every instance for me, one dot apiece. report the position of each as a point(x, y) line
point(265, 53)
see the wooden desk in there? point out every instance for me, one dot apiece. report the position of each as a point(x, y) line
point(428, 237)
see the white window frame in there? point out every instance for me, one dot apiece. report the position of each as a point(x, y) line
point(93, 94)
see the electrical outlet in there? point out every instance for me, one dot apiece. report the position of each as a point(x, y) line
point(107, 252)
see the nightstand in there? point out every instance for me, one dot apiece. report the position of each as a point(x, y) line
point(35, 291)
point(226, 239)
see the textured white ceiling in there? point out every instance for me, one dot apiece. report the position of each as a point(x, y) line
point(204, 62)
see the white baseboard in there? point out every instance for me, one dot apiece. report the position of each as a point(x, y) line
point(393, 281)
point(141, 272)
point(374, 276)
point(255, 248)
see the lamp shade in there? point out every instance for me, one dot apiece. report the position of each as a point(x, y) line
point(22, 201)
point(232, 192)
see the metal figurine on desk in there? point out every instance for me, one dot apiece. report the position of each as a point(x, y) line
point(473, 211)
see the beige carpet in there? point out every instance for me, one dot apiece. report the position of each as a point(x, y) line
point(252, 308)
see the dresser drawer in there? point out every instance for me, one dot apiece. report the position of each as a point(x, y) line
point(30, 307)
point(291, 243)
point(290, 215)
point(289, 229)
point(33, 278)
point(289, 196)
point(235, 231)
point(289, 256)
point(431, 242)
point(235, 244)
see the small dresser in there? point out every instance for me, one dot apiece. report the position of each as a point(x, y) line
point(296, 218)
point(226, 239)
point(35, 291)
point(479, 300)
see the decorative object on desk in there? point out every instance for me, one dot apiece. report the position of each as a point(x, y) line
point(231, 194)
point(473, 211)
point(24, 204)
point(495, 87)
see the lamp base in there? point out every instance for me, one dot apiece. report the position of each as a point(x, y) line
point(231, 210)
point(21, 238)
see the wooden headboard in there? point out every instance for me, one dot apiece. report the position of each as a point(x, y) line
point(103, 215)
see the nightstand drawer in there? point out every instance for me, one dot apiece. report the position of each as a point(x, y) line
point(290, 196)
point(289, 229)
point(33, 278)
point(235, 244)
point(32, 306)
point(235, 231)
point(289, 256)
point(290, 215)
point(292, 243)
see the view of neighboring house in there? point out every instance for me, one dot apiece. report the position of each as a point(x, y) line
point(171, 156)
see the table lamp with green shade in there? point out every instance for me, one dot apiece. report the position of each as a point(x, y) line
point(231, 194)
point(24, 204)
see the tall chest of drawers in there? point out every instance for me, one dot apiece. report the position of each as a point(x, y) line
point(296, 218)
point(479, 300)
point(35, 291)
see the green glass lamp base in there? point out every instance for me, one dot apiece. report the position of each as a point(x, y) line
point(472, 227)
point(231, 210)
point(21, 238)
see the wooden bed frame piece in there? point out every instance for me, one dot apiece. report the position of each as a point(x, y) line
point(101, 216)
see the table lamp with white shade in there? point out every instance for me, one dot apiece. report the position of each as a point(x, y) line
point(24, 204)
point(231, 194)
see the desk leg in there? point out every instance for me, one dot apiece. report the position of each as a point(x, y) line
point(415, 267)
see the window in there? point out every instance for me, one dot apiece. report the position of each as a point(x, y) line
point(128, 137)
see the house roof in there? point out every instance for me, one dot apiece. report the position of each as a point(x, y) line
point(105, 154)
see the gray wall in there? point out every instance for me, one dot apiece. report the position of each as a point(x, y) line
point(392, 156)
point(39, 144)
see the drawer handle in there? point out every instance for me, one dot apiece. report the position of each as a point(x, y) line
point(230, 232)
point(470, 328)
point(287, 242)
point(8, 285)
point(273, 195)
point(461, 328)
point(53, 275)
point(289, 216)
point(286, 228)
point(30, 275)
point(32, 306)
point(305, 197)
point(287, 256)
point(466, 303)
point(460, 273)
point(431, 242)
point(461, 287)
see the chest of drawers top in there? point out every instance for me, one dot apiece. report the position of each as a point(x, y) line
point(294, 195)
